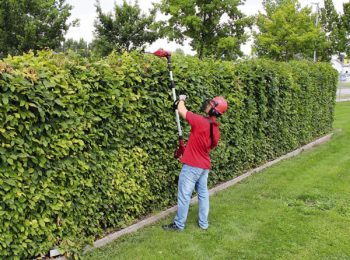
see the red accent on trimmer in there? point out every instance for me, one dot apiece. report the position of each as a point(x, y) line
point(162, 53)
point(180, 150)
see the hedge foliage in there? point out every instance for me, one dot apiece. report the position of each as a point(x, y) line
point(87, 147)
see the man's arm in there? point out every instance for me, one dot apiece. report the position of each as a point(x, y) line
point(182, 109)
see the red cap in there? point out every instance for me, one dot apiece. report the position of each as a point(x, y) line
point(219, 104)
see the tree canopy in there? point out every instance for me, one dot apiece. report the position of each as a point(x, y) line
point(332, 26)
point(214, 28)
point(287, 31)
point(125, 29)
point(345, 33)
point(81, 47)
point(32, 25)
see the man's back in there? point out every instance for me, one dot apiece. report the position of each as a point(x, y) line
point(199, 143)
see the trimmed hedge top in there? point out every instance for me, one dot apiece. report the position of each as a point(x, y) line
point(87, 147)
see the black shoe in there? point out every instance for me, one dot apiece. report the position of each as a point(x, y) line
point(171, 227)
point(205, 229)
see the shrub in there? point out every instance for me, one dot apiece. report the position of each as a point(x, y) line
point(86, 146)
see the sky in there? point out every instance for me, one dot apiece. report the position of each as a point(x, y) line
point(85, 11)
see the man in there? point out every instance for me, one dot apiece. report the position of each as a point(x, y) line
point(204, 137)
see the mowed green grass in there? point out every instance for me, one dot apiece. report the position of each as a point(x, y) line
point(297, 209)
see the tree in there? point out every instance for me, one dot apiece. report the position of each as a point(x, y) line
point(81, 47)
point(345, 30)
point(287, 31)
point(127, 29)
point(33, 25)
point(332, 26)
point(179, 52)
point(214, 28)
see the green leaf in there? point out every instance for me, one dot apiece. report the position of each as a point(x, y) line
point(10, 161)
point(5, 100)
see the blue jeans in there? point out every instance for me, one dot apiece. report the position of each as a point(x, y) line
point(190, 178)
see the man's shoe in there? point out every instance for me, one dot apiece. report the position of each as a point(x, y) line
point(171, 227)
point(205, 229)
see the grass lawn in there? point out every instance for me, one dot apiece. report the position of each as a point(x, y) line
point(297, 209)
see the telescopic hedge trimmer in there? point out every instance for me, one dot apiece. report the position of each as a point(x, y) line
point(181, 148)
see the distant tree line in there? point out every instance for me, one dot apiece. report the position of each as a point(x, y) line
point(216, 28)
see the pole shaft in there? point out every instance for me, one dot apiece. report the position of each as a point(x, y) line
point(174, 96)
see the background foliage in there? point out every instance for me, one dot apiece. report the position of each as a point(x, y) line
point(86, 147)
point(214, 28)
point(80, 47)
point(126, 29)
point(32, 25)
point(332, 25)
point(288, 32)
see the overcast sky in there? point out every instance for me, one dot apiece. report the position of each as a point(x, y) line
point(85, 11)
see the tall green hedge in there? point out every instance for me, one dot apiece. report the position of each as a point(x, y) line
point(87, 147)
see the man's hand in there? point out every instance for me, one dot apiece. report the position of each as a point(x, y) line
point(182, 98)
point(181, 108)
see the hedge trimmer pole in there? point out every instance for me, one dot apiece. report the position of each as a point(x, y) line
point(174, 96)
point(165, 54)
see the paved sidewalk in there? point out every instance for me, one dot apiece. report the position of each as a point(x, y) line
point(343, 91)
point(342, 99)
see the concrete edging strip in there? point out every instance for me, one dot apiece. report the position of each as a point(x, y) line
point(150, 220)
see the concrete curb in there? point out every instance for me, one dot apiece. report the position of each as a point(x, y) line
point(113, 236)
